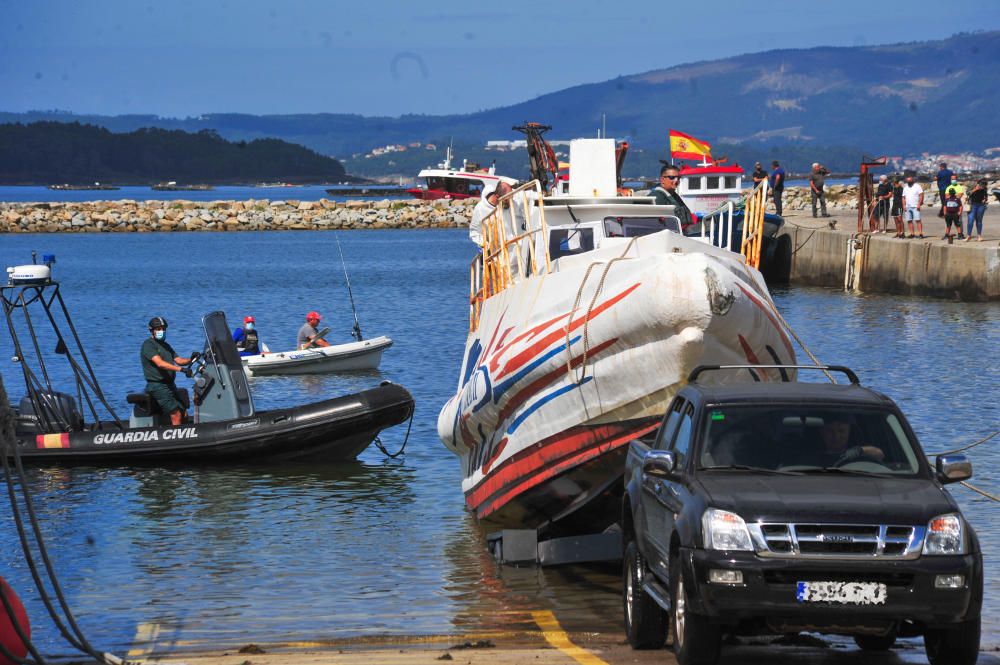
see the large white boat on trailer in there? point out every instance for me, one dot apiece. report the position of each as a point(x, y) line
point(587, 313)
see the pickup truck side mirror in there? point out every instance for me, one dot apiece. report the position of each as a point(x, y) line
point(953, 468)
point(659, 463)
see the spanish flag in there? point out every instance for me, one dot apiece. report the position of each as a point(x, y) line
point(52, 440)
point(683, 146)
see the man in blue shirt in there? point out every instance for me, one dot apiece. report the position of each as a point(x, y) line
point(943, 181)
point(247, 341)
point(777, 184)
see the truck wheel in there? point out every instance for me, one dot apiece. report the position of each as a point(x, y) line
point(696, 640)
point(876, 642)
point(645, 621)
point(958, 645)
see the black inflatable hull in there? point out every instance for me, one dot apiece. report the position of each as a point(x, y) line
point(333, 430)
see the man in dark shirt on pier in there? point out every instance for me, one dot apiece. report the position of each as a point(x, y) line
point(883, 196)
point(666, 194)
point(943, 180)
point(777, 184)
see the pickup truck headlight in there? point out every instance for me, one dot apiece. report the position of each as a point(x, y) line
point(945, 535)
point(724, 530)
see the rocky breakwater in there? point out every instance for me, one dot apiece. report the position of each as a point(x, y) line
point(146, 216)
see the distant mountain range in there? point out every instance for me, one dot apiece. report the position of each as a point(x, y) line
point(937, 96)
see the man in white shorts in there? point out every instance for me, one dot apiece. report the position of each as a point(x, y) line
point(913, 199)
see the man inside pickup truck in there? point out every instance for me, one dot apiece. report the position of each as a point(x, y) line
point(836, 435)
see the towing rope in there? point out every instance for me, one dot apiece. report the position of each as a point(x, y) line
point(586, 321)
point(378, 442)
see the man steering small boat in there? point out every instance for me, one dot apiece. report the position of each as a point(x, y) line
point(308, 335)
point(160, 365)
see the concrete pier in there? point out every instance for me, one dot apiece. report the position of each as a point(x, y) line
point(880, 263)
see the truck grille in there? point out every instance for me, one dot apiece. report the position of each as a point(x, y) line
point(853, 541)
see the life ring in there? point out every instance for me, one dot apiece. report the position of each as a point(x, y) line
point(9, 638)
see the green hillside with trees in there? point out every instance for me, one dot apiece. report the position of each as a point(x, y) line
point(54, 152)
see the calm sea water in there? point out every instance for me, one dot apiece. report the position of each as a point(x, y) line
point(13, 193)
point(237, 555)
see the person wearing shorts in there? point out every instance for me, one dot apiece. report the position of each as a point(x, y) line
point(913, 200)
point(160, 365)
point(897, 207)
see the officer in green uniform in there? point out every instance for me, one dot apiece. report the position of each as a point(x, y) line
point(160, 364)
point(666, 194)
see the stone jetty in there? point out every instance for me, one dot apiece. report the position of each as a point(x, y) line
point(263, 215)
point(254, 215)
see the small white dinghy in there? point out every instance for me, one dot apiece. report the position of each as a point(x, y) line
point(366, 354)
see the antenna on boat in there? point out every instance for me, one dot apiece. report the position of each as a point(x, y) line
point(356, 333)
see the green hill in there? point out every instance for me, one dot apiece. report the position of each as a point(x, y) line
point(55, 152)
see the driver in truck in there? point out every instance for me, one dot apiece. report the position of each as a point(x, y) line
point(160, 365)
point(836, 436)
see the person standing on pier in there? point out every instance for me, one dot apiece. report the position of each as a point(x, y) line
point(978, 200)
point(944, 176)
point(883, 196)
point(913, 197)
point(759, 174)
point(817, 178)
point(897, 207)
point(952, 215)
point(777, 184)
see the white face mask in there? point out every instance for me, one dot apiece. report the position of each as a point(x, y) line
point(249, 326)
point(160, 334)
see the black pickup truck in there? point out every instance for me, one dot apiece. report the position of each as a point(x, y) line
point(775, 508)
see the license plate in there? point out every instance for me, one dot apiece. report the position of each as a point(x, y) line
point(845, 593)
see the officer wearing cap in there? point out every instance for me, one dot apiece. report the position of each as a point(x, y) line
point(160, 364)
point(308, 334)
point(247, 341)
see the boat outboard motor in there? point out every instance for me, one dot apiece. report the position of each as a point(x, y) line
point(56, 412)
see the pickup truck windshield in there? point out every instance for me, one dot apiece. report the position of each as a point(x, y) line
point(797, 438)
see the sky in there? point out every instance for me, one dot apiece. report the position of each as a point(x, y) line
point(180, 58)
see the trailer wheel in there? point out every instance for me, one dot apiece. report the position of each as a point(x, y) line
point(645, 621)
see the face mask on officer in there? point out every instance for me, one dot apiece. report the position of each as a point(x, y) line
point(159, 334)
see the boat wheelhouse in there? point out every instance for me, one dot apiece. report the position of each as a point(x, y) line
point(445, 182)
point(706, 187)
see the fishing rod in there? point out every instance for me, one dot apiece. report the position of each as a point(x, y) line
point(356, 333)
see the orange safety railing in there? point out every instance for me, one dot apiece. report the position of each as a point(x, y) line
point(753, 224)
point(511, 247)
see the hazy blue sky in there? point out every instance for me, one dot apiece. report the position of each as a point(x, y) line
point(187, 57)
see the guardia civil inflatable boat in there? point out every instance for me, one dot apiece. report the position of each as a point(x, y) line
point(50, 426)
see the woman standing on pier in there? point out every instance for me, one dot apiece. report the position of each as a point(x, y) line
point(978, 200)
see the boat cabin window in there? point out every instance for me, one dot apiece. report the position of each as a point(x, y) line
point(730, 182)
point(713, 182)
point(566, 242)
point(694, 183)
point(475, 188)
point(435, 182)
point(631, 227)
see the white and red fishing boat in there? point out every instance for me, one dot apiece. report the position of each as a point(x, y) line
point(446, 182)
point(588, 311)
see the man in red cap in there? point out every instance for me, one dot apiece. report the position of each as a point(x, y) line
point(308, 334)
point(247, 341)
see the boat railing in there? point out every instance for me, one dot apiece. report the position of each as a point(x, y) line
point(717, 226)
point(514, 246)
point(720, 224)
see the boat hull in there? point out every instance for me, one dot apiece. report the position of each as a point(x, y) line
point(566, 368)
point(332, 430)
point(364, 355)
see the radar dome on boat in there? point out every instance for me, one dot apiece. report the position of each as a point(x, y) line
point(29, 274)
